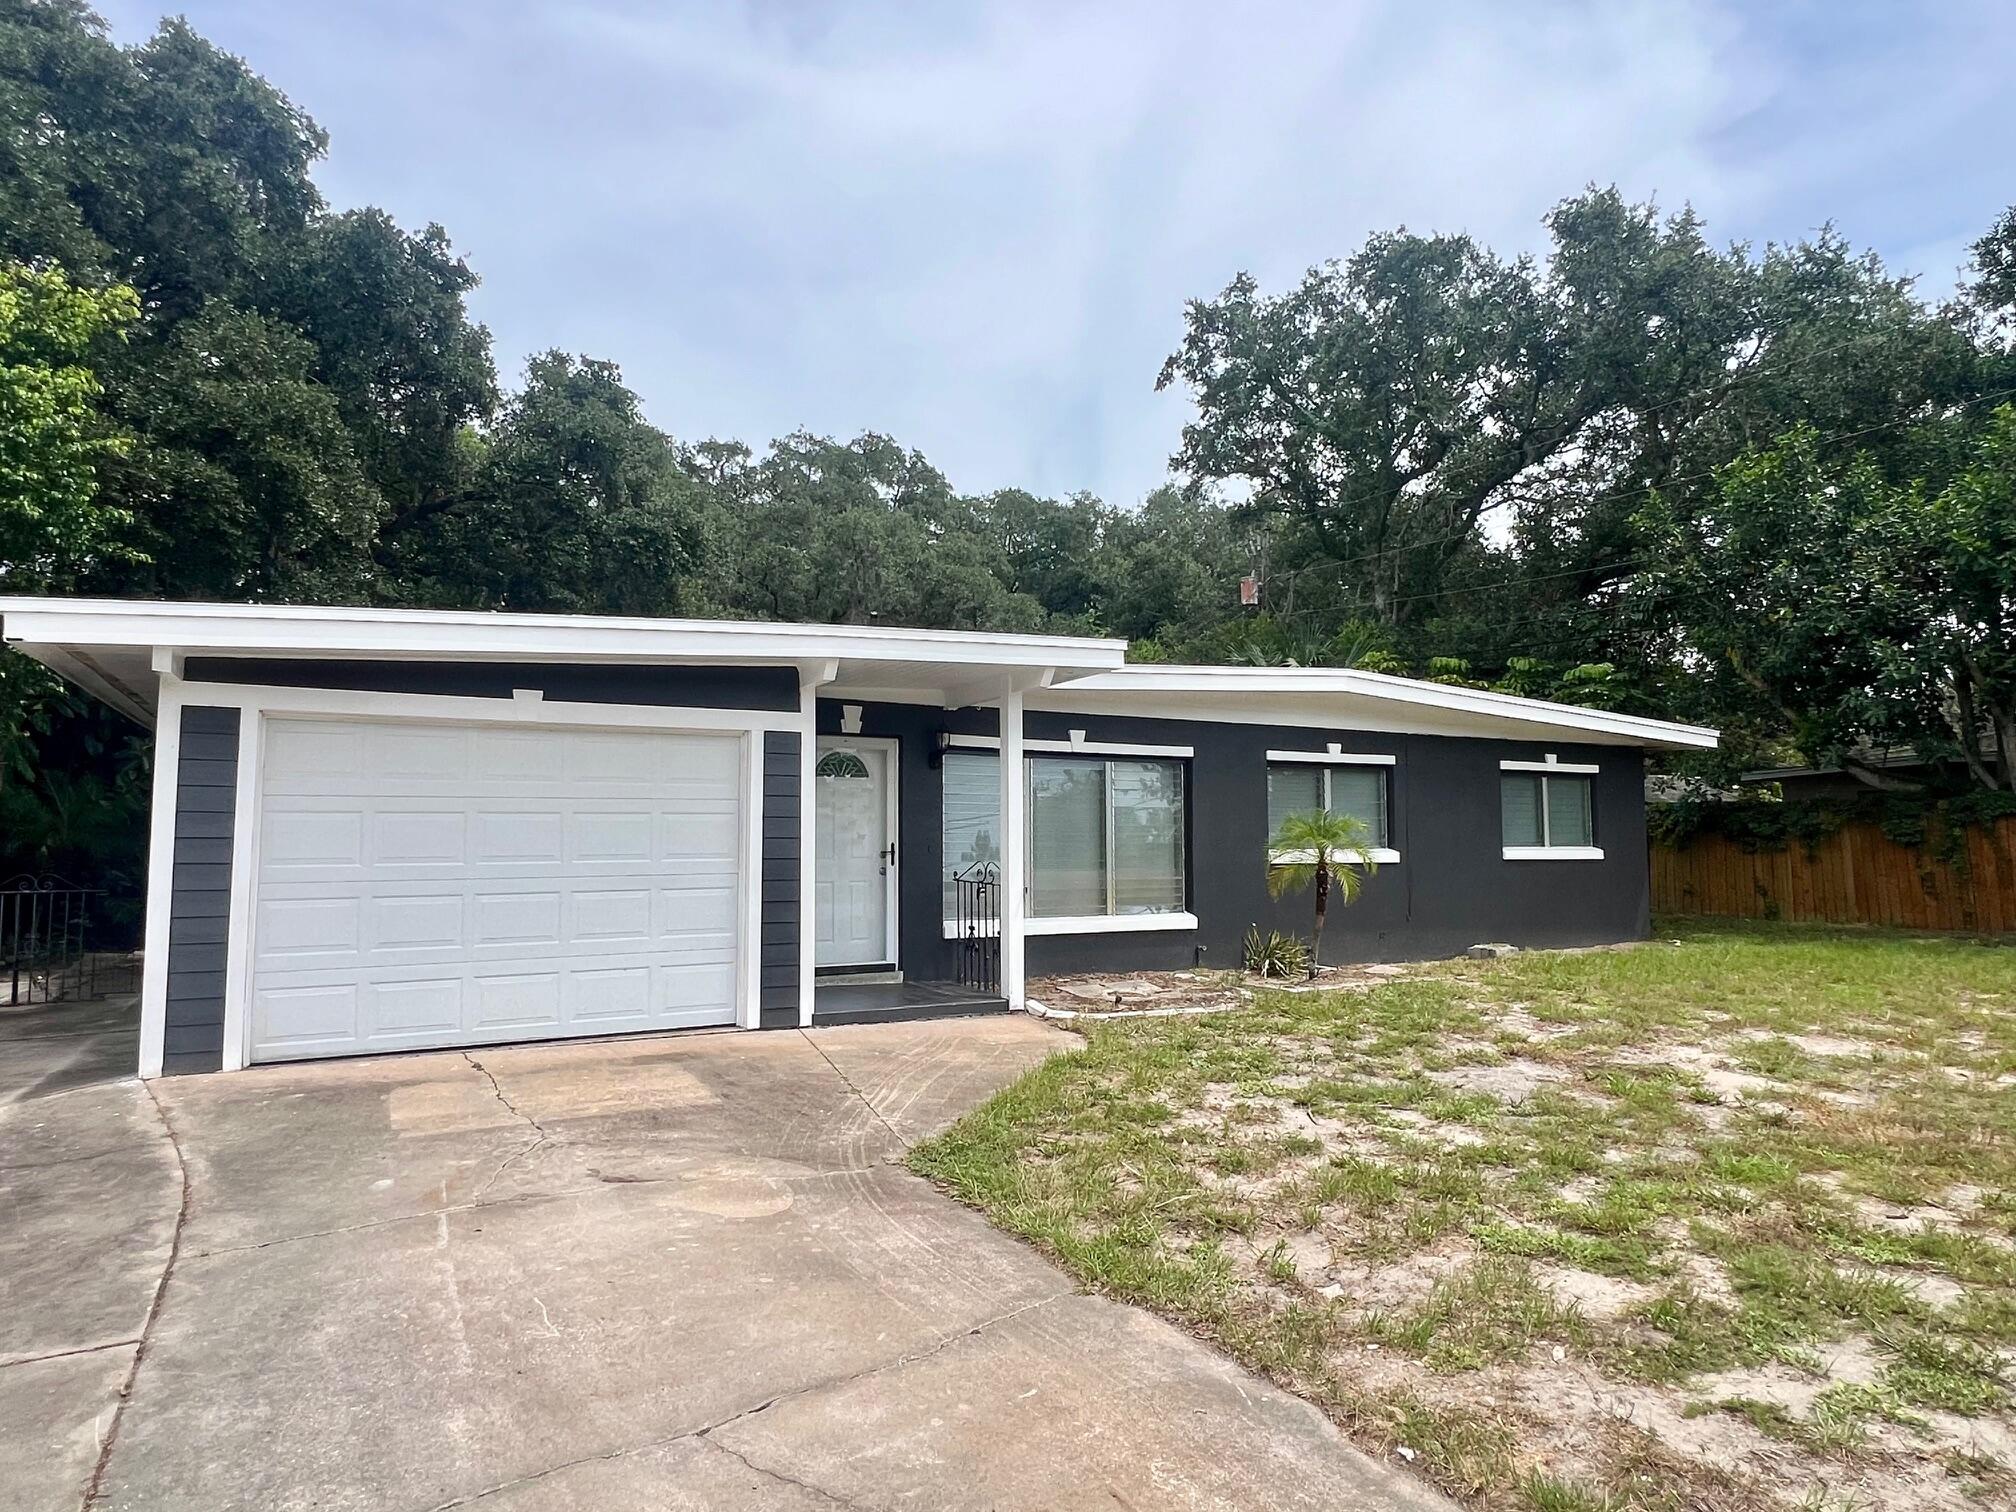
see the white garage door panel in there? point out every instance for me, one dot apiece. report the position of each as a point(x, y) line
point(443, 885)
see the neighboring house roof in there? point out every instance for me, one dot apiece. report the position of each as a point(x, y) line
point(117, 649)
point(1883, 759)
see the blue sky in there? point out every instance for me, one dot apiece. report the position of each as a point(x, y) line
point(973, 227)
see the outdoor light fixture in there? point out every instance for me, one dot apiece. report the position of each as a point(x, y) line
point(941, 742)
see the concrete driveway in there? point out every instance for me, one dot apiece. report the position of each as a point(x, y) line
point(679, 1272)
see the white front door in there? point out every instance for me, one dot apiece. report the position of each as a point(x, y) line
point(854, 863)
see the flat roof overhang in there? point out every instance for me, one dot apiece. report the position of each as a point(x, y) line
point(1345, 699)
point(117, 649)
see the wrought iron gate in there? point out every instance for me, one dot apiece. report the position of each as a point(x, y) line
point(52, 938)
point(977, 919)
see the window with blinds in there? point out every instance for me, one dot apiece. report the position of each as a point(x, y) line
point(1301, 787)
point(972, 822)
point(1545, 810)
point(1105, 837)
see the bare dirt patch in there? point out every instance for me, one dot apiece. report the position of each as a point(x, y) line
point(1511, 1081)
point(1722, 1224)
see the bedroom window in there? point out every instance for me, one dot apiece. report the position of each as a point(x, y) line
point(1547, 812)
point(1300, 787)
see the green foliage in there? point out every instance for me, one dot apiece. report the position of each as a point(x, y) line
point(1416, 378)
point(73, 783)
point(580, 505)
point(1330, 852)
point(1273, 954)
point(294, 404)
point(248, 484)
point(52, 438)
point(1858, 610)
point(1936, 822)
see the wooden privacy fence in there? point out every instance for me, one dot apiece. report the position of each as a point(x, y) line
point(1857, 875)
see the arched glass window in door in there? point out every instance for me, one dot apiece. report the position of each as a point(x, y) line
point(843, 764)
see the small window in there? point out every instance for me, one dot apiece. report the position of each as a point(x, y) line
point(1546, 811)
point(842, 764)
point(1300, 787)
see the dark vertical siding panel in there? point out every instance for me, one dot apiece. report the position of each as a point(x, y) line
point(777, 982)
point(206, 778)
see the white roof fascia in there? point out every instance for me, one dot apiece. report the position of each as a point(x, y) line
point(1317, 683)
point(288, 630)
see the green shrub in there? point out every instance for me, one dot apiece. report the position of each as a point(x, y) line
point(1275, 954)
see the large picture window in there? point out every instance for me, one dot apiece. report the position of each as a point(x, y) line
point(1546, 811)
point(1105, 836)
point(1302, 787)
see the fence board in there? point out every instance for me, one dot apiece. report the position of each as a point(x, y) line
point(1857, 875)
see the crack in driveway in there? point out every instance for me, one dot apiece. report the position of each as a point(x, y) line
point(95, 1487)
point(778, 1475)
point(847, 1082)
point(524, 1151)
point(66, 1354)
point(707, 1433)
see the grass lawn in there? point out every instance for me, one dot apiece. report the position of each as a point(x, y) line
point(1726, 1220)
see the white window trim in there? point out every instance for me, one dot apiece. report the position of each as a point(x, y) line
point(1110, 923)
point(1073, 747)
point(1089, 924)
point(1332, 757)
point(1553, 852)
point(1383, 855)
point(1379, 855)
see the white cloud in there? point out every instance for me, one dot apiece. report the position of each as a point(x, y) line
point(974, 228)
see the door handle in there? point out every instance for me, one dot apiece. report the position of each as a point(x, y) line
point(889, 857)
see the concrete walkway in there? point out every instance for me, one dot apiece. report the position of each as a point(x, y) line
point(679, 1272)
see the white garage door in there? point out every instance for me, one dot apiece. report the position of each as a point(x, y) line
point(440, 884)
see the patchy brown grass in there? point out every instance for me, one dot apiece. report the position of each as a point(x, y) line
point(1728, 1220)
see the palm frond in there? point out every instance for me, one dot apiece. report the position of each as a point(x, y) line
point(1320, 840)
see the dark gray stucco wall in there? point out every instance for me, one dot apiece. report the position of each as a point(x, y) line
point(206, 786)
point(1452, 887)
point(770, 688)
point(777, 990)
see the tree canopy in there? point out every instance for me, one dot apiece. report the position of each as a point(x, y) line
point(1764, 488)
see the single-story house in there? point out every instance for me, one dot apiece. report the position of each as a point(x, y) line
point(379, 829)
